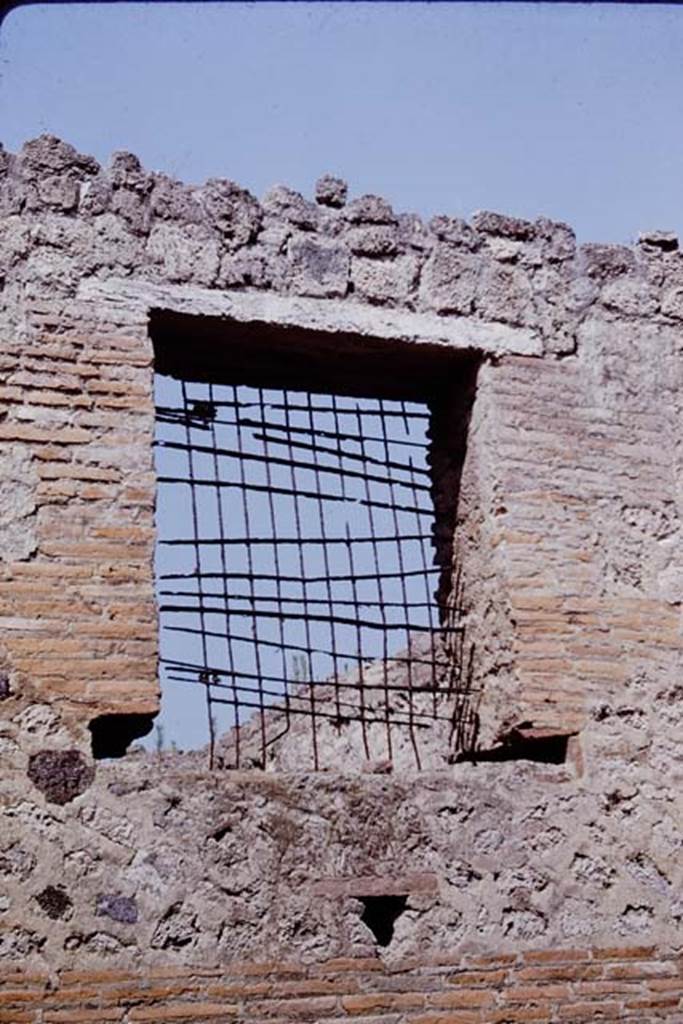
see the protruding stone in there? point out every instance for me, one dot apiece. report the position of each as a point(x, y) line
point(490, 223)
point(370, 210)
point(559, 240)
point(126, 171)
point(61, 775)
point(171, 200)
point(606, 261)
point(331, 191)
point(454, 230)
point(373, 240)
point(231, 210)
point(664, 241)
point(286, 204)
point(49, 155)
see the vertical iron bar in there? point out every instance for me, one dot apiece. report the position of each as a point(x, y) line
point(326, 561)
point(404, 592)
point(429, 597)
point(354, 590)
point(204, 677)
point(304, 589)
point(224, 569)
point(276, 563)
point(250, 568)
point(380, 603)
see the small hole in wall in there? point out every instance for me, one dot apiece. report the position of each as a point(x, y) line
point(380, 913)
point(111, 734)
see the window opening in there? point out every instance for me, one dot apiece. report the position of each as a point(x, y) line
point(302, 580)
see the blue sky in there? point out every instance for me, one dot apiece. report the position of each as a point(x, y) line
point(572, 111)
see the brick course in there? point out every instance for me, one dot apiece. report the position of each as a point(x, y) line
point(363, 992)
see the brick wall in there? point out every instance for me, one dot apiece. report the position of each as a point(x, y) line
point(76, 604)
point(610, 984)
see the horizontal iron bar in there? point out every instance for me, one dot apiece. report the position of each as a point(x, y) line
point(337, 620)
point(292, 464)
point(297, 579)
point(336, 435)
point(333, 716)
point(339, 683)
point(338, 409)
point(339, 655)
point(338, 454)
point(298, 541)
point(294, 493)
point(180, 416)
point(280, 599)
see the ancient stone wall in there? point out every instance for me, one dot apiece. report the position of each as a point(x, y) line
point(610, 984)
point(567, 545)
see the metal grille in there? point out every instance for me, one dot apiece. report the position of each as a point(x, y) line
point(296, 563)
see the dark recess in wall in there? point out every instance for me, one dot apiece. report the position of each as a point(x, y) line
point(111, 734)
point(380, 914)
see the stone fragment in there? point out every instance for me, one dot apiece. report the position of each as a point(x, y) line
point(413, 233)
point(449, 280)
point(376, 240)
point(231, 210)
point(184, 252)
point(331, 191)
point(95, 195)
point(54, 901)
point(504, 293)
point(454, 230)
point(18, 482)
point(254, 267)
point(663, 241)
point(672, 303)
point(126, 171)
point(490, 223)
point(559, 240)
point(505, 250)
point(385, 281)
point(319, 267)
point(61, 775)
point(172, 200)
point(123, 909)
point(606, 261)
point(369, 210)
point(629, 295)
point(133, 207)
point(285, 204)
point(49, 155)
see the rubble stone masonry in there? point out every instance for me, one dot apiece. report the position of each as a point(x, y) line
point(148, 889)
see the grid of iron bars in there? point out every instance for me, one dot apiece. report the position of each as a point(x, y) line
point(297, 552)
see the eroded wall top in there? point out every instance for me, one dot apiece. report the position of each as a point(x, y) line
point(66, 218)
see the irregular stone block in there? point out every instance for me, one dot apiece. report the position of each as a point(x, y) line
point(331, 191)
point(319, 267)
point(449, 281)
point(384, 281)
point(61, 775)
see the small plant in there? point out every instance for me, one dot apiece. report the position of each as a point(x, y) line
point(300, 669)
